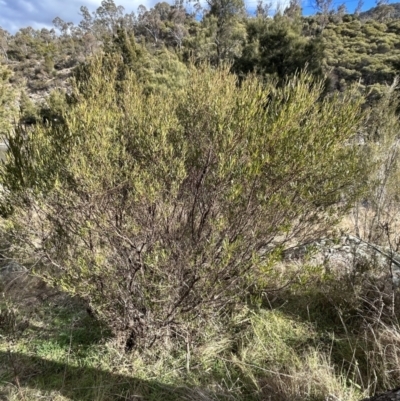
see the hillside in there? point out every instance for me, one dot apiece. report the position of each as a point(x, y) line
point(384, 11)
point(349, 48)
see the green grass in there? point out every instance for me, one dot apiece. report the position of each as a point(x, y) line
point(299, 348)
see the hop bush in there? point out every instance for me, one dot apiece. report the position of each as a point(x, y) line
point(161, 209)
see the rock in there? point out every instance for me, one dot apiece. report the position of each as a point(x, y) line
point(391, 395)
point(348, 255)
point(10, 273)
point(12, 268)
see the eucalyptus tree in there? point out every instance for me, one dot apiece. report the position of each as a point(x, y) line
point(108, 16)
point(164, 24)
point(224, 21)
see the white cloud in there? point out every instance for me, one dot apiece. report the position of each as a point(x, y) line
point(15, 14)
point(27, 6)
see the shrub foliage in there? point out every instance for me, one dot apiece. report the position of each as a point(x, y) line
point(161, 209)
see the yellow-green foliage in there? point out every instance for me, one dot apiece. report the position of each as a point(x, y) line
point(154, 207)
point(365, 50)
point(285, 360)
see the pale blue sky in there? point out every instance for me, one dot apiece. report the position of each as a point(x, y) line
point(15, 14)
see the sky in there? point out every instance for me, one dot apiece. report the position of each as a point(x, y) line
point(16, 14)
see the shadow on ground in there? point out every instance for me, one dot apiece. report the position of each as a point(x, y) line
point(48, 351)
point(23, 371)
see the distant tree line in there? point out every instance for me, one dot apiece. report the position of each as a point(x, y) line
point(341, 47)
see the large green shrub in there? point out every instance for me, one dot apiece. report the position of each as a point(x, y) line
point(157, 208)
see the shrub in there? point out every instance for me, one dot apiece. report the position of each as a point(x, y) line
point(157, 208)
